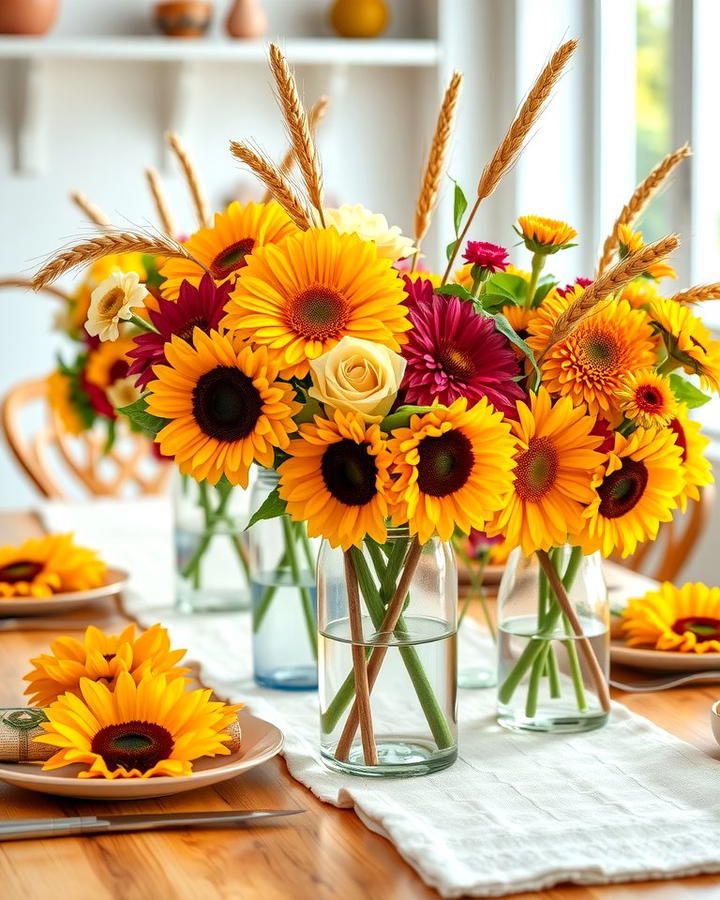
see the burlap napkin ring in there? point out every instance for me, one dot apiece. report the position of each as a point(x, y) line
point(18, 727)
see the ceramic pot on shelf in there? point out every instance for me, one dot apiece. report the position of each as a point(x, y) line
point(359, 18)
point(28, 16)
point(183, 18)
point(246, 19)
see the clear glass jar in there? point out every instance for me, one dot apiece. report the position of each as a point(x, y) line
point(211, 551)
point(387, 620)
point(282, 586)
point(553, 653)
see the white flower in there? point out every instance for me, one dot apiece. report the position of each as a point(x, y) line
point(122, 393)
point(370, 226)
point(112, 301)
point(359, 376)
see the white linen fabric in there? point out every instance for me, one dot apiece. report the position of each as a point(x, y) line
point(517, 812)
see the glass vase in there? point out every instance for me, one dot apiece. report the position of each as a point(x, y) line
point(553, 642)
point(477, 634)
point(387, 618)
point(282, 579)
point(211, 553)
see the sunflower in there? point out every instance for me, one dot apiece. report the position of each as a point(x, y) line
point(688, 341)
point(224, 248)
point(45, 566)
point(391, 243)
point(556, 456)
point(696, 468)
point(453, 467)
point(632, 241)
point(636, 490)
point(108, 362)
point(136, 730)
point(589, 365)
point(337, 480)
point(685, 619)
point(59, 394)
point(101, 657)
point(301, 297)
point(646, 399)
point(226, 407)
point(542, 235)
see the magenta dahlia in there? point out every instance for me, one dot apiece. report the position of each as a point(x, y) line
point(486, 255)
point(200, 307)
point(418, 290)
point(582, 282)
point(454, 352)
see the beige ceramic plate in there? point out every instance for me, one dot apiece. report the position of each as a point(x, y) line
point(115, 581)
point(260, 742)
point(663, 660)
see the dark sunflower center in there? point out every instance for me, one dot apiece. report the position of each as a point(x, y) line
point(599, 350)
point(231, 258)
point(22, 570)
point(349, 472)
point(186, 332)
point(446, 463)
point(456, 363)
point(108, 657)
point(226, 404)
point(622, 490)
point(133, 745)
point(680, 438)
point(318, 313)
point(649, 399)
point(536, 470)
point(118, 369)
point(704, 627)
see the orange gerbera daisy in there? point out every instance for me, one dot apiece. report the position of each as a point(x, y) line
point(542, 235)
point(646, 399)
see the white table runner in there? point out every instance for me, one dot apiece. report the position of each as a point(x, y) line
point(515, 813)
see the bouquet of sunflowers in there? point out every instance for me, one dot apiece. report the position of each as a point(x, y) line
point(483, 398)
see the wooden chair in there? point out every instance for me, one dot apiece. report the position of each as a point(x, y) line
point(129, 467)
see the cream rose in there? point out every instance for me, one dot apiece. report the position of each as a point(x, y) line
point(359, 376)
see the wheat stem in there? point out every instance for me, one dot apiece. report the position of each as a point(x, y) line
point(199, 199)
point(92, 212)
point(161, 205)
point(277, 185)
point(698, 294)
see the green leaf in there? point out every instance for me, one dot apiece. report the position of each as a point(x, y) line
point(459, 206)
point(141, 418)
point(401, 417)
point(450, 249)
point(545, 285)
point(512, 287)
point(153, 278)
point(685, 392)
point(505, 328)
point(455, 290)
point(272, 507)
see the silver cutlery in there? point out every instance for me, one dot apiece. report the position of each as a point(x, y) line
point(663, 684)
point(39, 624)
point(20, 829)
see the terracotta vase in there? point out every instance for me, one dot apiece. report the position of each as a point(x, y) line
point(183, 18)
point(246, 19)
point(359, 18)
point(28, 16)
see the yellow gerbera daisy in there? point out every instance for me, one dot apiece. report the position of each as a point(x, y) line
point(685, 619)
point(696, 468)
point(59, 393)
point(636, 490)
point(301, 297)
point(631, 241)
point(101, 657)
point(543, 235)
point(453, 467)
point(556, 456)
point(136, 730)
point(49, 565)
point(337, 480)
point(108, 362)
point(224, 247)
point(645, 398)
point(226, 407)
point(688, 340)
point(589, 365)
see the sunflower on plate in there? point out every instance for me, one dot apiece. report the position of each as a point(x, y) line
point(682, 619)
point(49, 565)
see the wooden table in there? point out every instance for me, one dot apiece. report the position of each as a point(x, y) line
point(325, 853)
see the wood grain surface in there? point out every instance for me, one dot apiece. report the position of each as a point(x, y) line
point(325, 853)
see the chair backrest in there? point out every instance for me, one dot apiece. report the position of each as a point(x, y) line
point(49, 453)
point(664, 557)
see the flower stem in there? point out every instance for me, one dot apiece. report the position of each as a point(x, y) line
point(476, 584)
point(211, 517)
point(308, 614)
point(668, 366)
point(141, 323)
point(538, 261)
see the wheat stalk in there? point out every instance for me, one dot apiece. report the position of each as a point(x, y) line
point(435, 168)
point(507, 153)
point(278, 187)
point(27, 283)
point(93, 213)
point(642, 195)
point(586, 304)
point(161, 204)
point(104, 245)
point(298, 126)
point(698, 294)
point(315, 116)
point(202, 209)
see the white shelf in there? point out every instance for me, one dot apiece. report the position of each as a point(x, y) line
point(300, 51)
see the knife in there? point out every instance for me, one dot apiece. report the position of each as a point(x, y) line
point(20, 829)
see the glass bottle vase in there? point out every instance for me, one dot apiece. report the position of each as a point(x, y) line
point(387, 618)
point(282, 587)
point(553, 642)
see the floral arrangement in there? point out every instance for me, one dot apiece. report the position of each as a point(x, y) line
point(120, 706)
point(54, 564)
point(681, 619)
point(484, 399)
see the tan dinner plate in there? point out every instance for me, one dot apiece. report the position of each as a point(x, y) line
point(662, 660)
point(115, 581)
point(260, 742)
